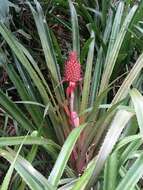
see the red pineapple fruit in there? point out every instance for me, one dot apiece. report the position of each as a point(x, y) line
point(72, 72)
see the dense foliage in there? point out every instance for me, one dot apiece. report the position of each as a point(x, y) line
point(71, 104)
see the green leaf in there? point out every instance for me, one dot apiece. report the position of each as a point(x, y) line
point(20, 53)
point(111, 172)
point(118, 124)
point(123, 172)
point(132, 176)
point(15, 112)
point(87, 75)
point(133, 146)
point(116, 48)
point(29, 174)
point(49, 145)
point(115, 30)
point(30, 140)
point(47, 44)
point(83, 180)
point(12, 41)
point(35, 66)
point(137, 100)
point(7, 178)
point(85, 49)
point(94, 132)
point(69, 185)
point(125, 87)
point(64, 155)
point(105, 7)
point(75, 29)
point(4, 10)
point(97, 73)
point(127, 140)
point(33, 111)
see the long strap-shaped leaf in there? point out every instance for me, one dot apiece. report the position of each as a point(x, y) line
point(64, 156)
point(138, 105)
point(7, 178)
point(47, 144)
point(111, 172)
point(116, 48)
point(35, 66)
point(75, 29)
point(47, 45)
point(30, 175)
point(15, 112)
point(97, 73)
point(83, 180)
point(12, 42)
point(34, 111)
point(125, 87)
point(30, 140)
point(127, 140)
point(120, 120)
point(14, 45)
point(4, 11)
point(115, 30)
point(132, 176)
point(87, 76)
